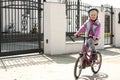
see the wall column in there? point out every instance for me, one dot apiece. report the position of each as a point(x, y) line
point(54, 28)
point(116, 29)
point(101, 40)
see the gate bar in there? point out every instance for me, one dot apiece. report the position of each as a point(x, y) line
point(111, 37)
point(39, 25)
point(0, 24)
point(78, 14)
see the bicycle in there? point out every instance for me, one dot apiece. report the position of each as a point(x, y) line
point(87, 59)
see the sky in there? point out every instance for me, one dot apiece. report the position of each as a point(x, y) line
point(114, 3)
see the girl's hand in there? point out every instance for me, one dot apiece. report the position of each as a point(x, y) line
point(75, 36)
point(94, 38)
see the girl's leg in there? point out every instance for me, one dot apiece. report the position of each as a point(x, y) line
point(91, 44)
point(87, 44)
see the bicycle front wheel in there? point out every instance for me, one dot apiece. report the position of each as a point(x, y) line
point(96, 64)
point(78, 67)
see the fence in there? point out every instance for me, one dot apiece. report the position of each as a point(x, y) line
point(108, 24)
point(20, 28)
point(77, 14)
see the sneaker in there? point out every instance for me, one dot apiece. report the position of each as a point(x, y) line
point(84, 64)
point(94, 52)
point(81, 54)
point(94, 56)
point(96, 43)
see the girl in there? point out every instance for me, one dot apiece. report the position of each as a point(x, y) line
point(92, 29)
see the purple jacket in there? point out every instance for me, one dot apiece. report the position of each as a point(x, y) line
point(86, 27)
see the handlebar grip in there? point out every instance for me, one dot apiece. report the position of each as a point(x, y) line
point(71, 38)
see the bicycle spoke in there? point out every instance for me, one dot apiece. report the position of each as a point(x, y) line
point(78, 67)
point(96, 63)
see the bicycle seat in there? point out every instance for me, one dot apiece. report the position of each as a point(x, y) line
point(96, 44)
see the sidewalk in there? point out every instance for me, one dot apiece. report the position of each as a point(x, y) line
point(57, 67)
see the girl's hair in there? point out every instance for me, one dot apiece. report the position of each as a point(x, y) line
point(93, 9)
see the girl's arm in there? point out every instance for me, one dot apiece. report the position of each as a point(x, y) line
point(81, 29)
point(98, 31)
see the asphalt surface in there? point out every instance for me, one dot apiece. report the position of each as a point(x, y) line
point(57, 67)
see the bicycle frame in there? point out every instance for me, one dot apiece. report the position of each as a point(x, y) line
point(87, 59)
point(86, 56)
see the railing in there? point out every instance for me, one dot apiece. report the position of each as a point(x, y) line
point(20, 26)
point(76, 13)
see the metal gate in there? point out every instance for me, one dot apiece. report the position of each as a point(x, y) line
point(20, 26)
point(108, 25)
point(77, 14)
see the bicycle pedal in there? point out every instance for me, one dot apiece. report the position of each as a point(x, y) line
point(87, 65)
point(97, 51)
point(83, 67)
point(81, 54)
point(84, 64)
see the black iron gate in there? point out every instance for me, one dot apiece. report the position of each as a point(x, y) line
point(108, 37)
point(77, 14)
point(20, 26)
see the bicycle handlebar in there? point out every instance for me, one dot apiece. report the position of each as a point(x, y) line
point(71, 38)
point(84, 37)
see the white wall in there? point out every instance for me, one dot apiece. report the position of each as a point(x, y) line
point(54, 28)
point(101, 18)
point(116, 29)
point(73, 47)
point(62, 1)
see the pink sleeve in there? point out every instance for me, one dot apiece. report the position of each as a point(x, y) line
point(98, 30)
point(81, 29)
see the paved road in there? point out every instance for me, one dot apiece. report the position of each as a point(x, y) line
point(58, 67)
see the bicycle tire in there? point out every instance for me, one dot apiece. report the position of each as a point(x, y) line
point(78, 67)
point(97, 63)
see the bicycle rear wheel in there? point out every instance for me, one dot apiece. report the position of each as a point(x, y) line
point(96, 64)
point(78, 67)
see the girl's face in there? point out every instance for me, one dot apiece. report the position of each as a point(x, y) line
point(93, 15)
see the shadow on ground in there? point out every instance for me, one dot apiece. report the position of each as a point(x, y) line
point(110, 51)
point(34, 59)
point(23, 61)
point(64, 59)
point(98, 76)
point(37, 59)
